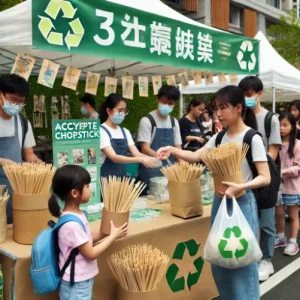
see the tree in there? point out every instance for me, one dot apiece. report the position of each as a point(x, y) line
point(5, 4)
point(285, 37)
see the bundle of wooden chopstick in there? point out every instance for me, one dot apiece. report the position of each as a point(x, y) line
point(182, 172)
point(226, 159)
point(139, 268)
point(4, 196)
point(120, 193)
point(29, 178)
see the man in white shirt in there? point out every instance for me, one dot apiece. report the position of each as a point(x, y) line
point(88, 106)
point(16, 135)
point(158, 129)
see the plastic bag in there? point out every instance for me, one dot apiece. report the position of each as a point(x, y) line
point(231, 242)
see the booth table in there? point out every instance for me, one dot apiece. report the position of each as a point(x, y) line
point(165, 232)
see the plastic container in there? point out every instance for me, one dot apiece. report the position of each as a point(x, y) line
point(159, 188)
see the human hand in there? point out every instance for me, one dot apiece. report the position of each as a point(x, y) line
point(119, 232)
point(164, 153)
point(233, 189)
point(148, 162)
point(201, 140)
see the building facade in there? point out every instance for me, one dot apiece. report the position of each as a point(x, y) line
point(245, 17)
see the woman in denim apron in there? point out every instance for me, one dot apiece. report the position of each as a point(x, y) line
point(115, 141)
point(242, 283)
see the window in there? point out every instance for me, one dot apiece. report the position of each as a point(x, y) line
point(236, 18)
point(275, 3)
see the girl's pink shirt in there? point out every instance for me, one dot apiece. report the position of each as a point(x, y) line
point(291, 184)
point(70, 236)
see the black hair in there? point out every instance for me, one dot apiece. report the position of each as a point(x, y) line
point(251, 83)
point(233, 95)
point(14, 84)
point(110, 102)
point(169, 91)
point(89, 99)
point(292, 140)
point(196, 101)
point(65, 180)
point(295, 103)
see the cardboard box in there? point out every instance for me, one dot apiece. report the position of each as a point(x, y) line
point(221, 188)
point(186, 198)
point(30, 216)
point(118, 218)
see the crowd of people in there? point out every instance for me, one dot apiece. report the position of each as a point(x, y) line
point(233, 111)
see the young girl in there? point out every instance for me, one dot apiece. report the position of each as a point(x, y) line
point(229, 102)
point(290, 169)
point(295, 110)
point(116, 141)
point(71, 185)
point(192, 132)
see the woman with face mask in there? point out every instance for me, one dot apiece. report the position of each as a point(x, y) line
point(115, 141)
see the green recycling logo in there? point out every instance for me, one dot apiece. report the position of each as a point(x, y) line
point(178, 284)
point(46, 27)
point(246, 46)
point(224, 242)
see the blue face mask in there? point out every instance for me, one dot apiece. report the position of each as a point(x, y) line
point(84, 111)
point(250, 102)
point(11, 110)
point(118, 118)
point(164, 109)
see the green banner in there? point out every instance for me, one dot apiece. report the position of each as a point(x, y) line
point(109, 30)
point(77, 142)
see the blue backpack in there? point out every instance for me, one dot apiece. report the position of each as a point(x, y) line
point(44, 270)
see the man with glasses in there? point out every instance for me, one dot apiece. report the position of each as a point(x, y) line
point(13, 147)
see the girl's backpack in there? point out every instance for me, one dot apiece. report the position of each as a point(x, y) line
point(44, 270)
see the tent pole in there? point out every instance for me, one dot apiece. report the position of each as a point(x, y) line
point(274, 99)
point(181, 105)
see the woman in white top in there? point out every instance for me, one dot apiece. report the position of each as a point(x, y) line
point(229, 102)
point(115, 141)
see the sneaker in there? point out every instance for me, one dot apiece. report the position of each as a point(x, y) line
point(265, 269)
point(291, 249)
point(280, 242)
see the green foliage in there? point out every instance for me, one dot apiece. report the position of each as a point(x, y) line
point(5, 4)
point(138, 107)
point(286, 37)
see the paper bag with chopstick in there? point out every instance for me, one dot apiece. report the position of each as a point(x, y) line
point(184, 189)
point(186, 199)
point(4, 196)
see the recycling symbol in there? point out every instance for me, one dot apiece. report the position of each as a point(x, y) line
point(224, 242)
point(246, 46)
point(178, 284)
point(46, 27)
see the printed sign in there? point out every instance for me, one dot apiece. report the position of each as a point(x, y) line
point(111, 30)
point(77, 142)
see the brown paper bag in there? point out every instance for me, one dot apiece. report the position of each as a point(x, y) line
point(186, 198)
point(236, 178)
point(3, 222)
point(118, 218)
point(125, 295)
point(30, 216)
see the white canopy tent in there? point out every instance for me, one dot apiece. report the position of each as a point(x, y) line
point(281, 80)
point(16, 37)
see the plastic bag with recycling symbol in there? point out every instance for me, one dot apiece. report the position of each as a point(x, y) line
point(231, 242)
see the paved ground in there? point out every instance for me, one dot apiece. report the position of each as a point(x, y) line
point(285, 283)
